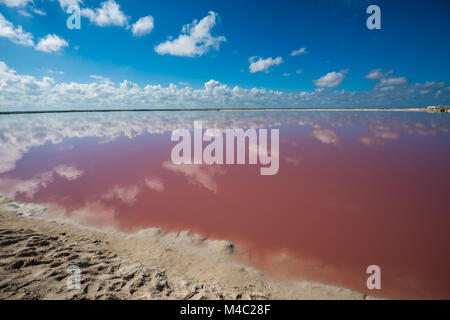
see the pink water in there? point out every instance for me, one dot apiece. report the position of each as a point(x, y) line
point(353, 190)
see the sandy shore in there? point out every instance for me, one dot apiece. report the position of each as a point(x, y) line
point(35, 253)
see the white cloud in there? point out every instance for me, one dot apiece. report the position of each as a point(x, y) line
point(330, 80)
point(15, 34)
point(26, 7)
point(195, 39)
point(258, 64)
point(51, 43)
point(298, 52)
point(24, 13)
point(393, 81)
point(38, 11)
point(55, 71)
point(25, 92)
point(143, 26)
point(299, 71)
point(386, 82)
point(287, 74)
point(377, 74)
point(374, 74)
point(100, 78)
point(109, 14)
point(16, 3)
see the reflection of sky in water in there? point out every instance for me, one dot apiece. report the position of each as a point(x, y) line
point(354, 188)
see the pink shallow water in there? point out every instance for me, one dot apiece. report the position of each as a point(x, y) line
point(353, 190)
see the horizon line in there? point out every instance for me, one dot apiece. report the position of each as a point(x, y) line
point(228, 109)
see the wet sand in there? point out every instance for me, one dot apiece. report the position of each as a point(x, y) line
point(35, 253)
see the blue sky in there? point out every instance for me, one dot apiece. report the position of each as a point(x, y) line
point(336, 52)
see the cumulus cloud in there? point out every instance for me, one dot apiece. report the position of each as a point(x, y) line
point(38, 11)
point(24, 13)
point(393, 81)
point(55, 71)
point(16, 3)
point(100, 78)
point(258, 64)
point(386, 81)
point(15, 34)
point(143, 26)
point(195, 39)
point(298, 52)
point(374, 74)
point(51, 43)
point(330, 80)
point(25, 92)
point(108, 14)
point(377, 74)
point(25, 7)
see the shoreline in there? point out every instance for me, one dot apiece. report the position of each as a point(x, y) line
point(430, 109)
point(36, 251)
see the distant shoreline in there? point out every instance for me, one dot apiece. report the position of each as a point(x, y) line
point(432, 109)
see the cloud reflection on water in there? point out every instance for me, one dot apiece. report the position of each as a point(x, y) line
point(343, 176)
point(19, 134)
